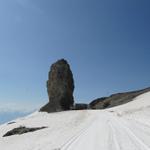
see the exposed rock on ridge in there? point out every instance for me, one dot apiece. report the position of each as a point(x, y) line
point(116, 99)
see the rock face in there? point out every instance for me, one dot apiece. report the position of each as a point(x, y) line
point(60, 87)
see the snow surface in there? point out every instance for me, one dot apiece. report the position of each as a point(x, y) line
point(125, 127)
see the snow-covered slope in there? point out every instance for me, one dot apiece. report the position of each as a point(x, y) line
point(125, 127)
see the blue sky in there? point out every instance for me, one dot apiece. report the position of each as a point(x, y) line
point(107, 44)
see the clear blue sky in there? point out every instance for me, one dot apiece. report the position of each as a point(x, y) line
point(107, 43)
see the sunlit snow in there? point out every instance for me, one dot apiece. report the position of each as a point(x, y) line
point(125, 127)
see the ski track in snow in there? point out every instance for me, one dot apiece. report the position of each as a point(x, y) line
point(126, 127)
point(108, 132)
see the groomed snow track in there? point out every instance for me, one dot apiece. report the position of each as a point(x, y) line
point(110, 132)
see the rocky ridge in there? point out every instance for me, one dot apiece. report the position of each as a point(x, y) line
point(116, 99)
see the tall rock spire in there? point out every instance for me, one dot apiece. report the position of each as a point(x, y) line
point(60, 87)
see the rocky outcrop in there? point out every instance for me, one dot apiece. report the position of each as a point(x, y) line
point(60, 87)
point(116, 99)
point(22, 130)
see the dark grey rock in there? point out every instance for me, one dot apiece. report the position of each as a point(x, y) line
point(60, 87)
point(11, 122)
point(22, 130)
point(80, 106)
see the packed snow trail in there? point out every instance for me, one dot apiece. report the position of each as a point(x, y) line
point(108, 132)
point(90, 139)
point(125, 127)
